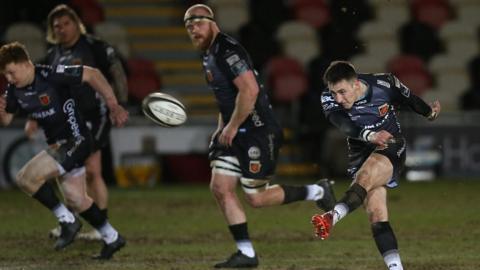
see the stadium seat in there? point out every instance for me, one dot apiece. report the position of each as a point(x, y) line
point(383, 49)
point(116, 35)
point(90, 11)
point(469, 13)
point(298, 40)
point(412, 71)
point(231, 15)
point(31, 36)
point(314, 12)
point(286, 79)
point(295, 30)
point(432, 12)
point(420, 39)
point(392, 15)
point(405, 62)
point(376, 30)
point(446, 63)
point(142, 78)
point(460, 39)
point(368, 63)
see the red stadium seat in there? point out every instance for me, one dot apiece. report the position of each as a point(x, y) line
point(142, 79)
point(432, 12)
point(286, 78)
point(314, 12)
point(90, 11)
point(411, 70)
point(141, 66)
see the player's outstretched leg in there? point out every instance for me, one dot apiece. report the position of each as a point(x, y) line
point(327, 201)
point(323, 224)
point(238, 260)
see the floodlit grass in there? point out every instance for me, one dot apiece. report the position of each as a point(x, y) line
point(179, 227)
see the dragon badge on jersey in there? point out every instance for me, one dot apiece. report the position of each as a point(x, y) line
point(254, 166)
point(383, 110)
point(44, 99)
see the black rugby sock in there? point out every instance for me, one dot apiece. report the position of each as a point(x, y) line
point(294, 193)
point(46, 196)
point(354, 197)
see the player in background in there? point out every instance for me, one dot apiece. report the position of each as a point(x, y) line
point(245, 145)
point(363, 107)
point(45, 93)
point(72, 46)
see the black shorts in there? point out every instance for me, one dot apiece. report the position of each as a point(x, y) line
point(99, 126)
point(256, 151)
point(70, 153)
point(395, 152)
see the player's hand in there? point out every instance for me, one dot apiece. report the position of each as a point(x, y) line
point(227, 135)
point(381, 138)
point(31, 127)
point(435, 106)
point(118, 115)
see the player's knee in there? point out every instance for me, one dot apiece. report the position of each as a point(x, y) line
point(74, 199)
point(363, 178)
point(254, 200)
point(376, 214)
point(25, 179)
point(221, 192)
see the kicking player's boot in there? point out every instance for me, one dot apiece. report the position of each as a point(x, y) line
point(68, 231)
point(109, 249)
point(92, 235)
point(55, 232)
point(238, 260)
point(323, 224)
point(327, 202)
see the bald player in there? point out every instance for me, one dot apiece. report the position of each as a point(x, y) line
point(244, 148)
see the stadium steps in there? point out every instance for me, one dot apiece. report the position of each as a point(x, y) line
point(156, 32)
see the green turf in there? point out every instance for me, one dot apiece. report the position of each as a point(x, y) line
point(437, 225)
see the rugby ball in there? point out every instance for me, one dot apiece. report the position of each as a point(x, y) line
point(164, 109)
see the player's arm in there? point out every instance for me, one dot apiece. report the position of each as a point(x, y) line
point(220, 126)
point(99, 83)
point(343, 122)
point(245, 102)
point(404, 95)
point(119, 81)
point(108, 61)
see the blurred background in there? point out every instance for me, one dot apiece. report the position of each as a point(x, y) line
point(432, 46)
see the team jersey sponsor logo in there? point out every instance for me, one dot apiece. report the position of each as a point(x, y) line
point(257, 122)
point(327, 99)
point(254, 166)
point(383, 109)
point(254, 152)
point(44, 99)
point(69, 110)
point(383, 83)
point(43, 114)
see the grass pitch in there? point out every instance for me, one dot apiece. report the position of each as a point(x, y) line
point(179, 227)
